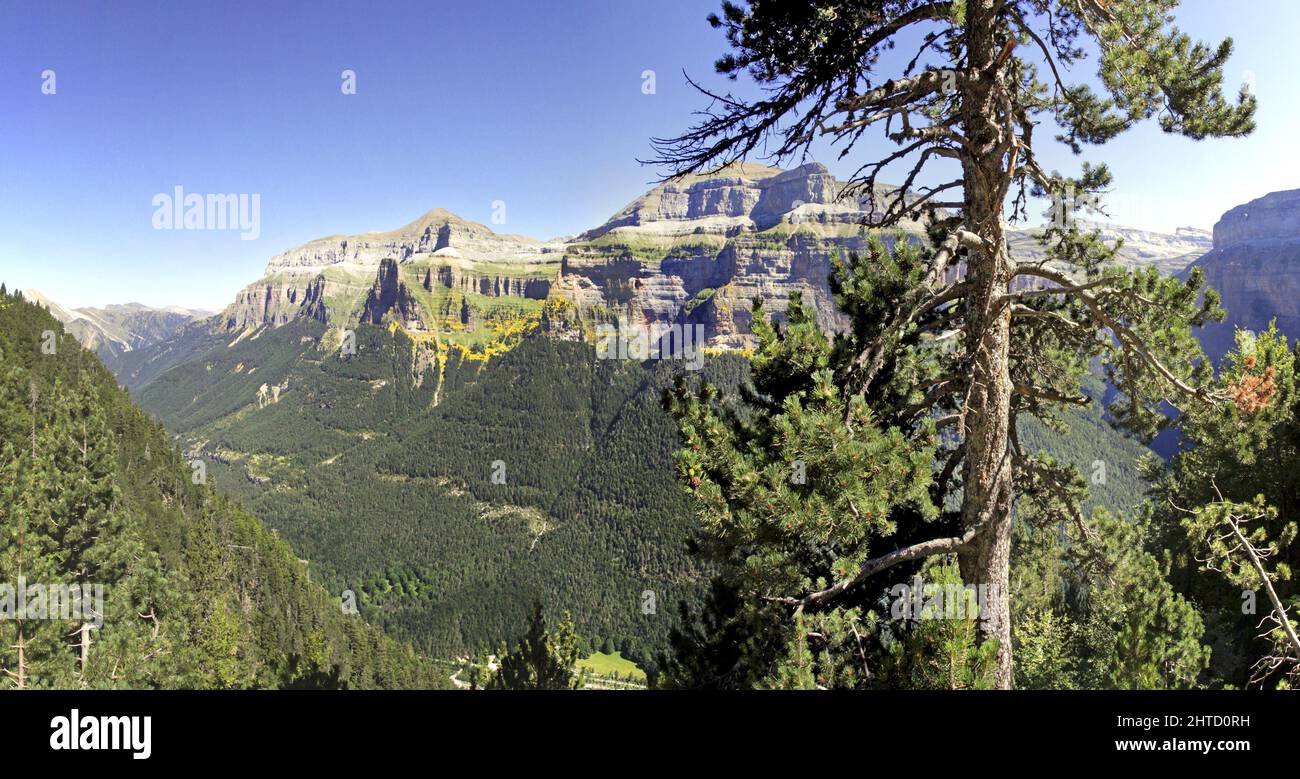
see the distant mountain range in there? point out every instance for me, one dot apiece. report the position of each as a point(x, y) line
point(1169, 253)
point(692, 251)
point(116, 329)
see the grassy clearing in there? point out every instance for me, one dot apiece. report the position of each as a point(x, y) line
point(601, 664)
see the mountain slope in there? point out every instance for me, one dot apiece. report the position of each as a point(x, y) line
point(451, 492)
point(199, 593)
point(378, 464)
point(381, 474)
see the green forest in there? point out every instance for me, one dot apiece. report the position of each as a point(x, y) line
point(394, 498)
point(197, 592)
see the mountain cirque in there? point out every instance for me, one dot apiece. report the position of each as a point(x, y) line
point(695, 250)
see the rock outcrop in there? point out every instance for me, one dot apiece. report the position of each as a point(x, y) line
point(1255, 266)
point(700, 249)
point(495, 285)
point(331, 278)
point(390, 295)
point(743, 195)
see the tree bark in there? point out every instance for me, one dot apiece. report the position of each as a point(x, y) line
point(85, 649)
point(987, 411)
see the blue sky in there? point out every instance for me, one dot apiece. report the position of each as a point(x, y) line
point(458, 105)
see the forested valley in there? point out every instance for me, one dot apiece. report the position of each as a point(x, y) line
point(197, 592)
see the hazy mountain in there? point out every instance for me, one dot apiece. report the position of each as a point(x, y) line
point(115, 329)
point(1255, 265)
point(1169, 253)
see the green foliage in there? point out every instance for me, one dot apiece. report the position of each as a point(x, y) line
point(541, 660)
point(1045, 646)
point(197, 592)
point(941, 652)
point(1099, 611)
point(1232, 486)
point(797, 484)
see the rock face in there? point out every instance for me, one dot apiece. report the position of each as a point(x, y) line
point(331, 278)
point(313, 302)
point(438, 231)
point(1275, 216)
point(699, 250)
point(494, 285)
point(694, 251)
point(1255, 266)
point(389, 295)
point(744, 195)
point(269, 302)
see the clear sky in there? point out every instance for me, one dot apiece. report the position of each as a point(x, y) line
point(457, 105)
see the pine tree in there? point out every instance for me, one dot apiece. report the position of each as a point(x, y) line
point(35, 654)
point(1015, 336)
point(1231, 503)
point(542, 660)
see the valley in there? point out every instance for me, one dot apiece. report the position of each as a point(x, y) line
point(361, 396)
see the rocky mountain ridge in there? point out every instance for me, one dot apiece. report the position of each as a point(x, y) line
point(695, 250)
point(116, 329)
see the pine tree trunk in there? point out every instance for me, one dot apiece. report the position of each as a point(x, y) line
point(85, 649)
point(986, 476)
point(21, 646)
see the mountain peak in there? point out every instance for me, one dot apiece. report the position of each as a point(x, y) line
point(736, 196)
point(436, 217)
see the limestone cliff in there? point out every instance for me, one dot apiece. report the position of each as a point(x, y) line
point(332, 278)
point(1255, 265)
point(696, 250)
point(390, 296)
point(700, 249)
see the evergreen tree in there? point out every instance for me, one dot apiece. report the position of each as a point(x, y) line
point(959, 339)
point(1230, 502)
point(542, 660)
point(32, 645)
